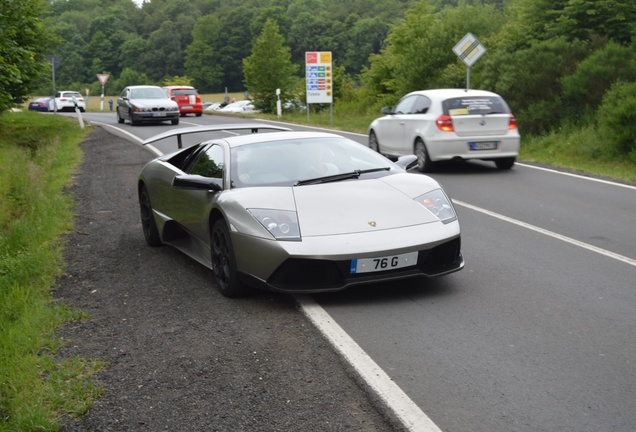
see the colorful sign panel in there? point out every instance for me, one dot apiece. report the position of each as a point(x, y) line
point(319, 77)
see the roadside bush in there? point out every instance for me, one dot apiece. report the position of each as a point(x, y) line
point(617, 118)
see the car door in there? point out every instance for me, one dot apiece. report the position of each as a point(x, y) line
point(122, 104)
point(391, 130)
point(415, 123)
point(192, 206)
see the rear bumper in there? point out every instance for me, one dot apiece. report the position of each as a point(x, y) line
point(459, 148)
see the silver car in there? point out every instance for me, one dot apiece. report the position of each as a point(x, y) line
point(448, 124)
point(145, 103)
point(296, 211)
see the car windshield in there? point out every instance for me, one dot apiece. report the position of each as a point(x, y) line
point(475, 105)
point(147, 93)
point(305, 161)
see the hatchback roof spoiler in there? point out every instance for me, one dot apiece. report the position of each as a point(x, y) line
point(211, 128)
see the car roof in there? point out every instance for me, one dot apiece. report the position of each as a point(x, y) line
point(184, 87)
point(452, 92)
point(142, 86)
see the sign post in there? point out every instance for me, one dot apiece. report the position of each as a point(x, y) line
point(102, 79)
point(469, 49)
point(318, 75)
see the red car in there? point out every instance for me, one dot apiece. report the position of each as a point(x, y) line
point(187, 98)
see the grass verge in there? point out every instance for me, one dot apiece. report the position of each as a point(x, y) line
point(39, 155)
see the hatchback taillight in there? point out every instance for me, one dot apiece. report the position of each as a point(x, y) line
point(444, 123)
point(512, 124)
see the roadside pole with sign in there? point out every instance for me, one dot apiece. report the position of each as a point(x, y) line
point(318, 74)
point(469, 49)
point(102, 79)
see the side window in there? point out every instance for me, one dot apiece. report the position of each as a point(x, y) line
point(422, 104)
point(405, 106)
point(210, 163)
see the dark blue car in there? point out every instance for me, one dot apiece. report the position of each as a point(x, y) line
point(41, 104)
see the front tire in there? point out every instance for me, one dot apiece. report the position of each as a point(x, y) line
point(373, 142)
point(175, 121)
point(224, 262)
point(132, 119)
point(119, 119)
point(148, 224)
point(424, 163)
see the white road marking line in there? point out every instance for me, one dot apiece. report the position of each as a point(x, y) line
point(552, 234)
point(400, 407)
point(578, 176)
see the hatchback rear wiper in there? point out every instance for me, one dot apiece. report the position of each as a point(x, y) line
point(338, 177)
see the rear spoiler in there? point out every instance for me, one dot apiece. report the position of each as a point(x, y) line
point(210, 128)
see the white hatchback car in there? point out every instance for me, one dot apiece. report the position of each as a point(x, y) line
point(448, 124)
point(66, 100)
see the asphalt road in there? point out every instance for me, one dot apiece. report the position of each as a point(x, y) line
point(538, 332)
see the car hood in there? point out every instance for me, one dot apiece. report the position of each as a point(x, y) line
point(356, 206)
point(347, 207)
point(154, 103)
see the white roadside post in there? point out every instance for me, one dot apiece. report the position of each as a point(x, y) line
point(278, 106)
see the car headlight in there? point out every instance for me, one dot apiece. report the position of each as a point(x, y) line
point(437, 203)
point(282, 224)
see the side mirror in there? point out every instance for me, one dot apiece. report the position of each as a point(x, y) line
point(386, 110)
point(197, 182)
point(406, 162)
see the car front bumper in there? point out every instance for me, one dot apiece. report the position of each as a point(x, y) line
point(323, 264)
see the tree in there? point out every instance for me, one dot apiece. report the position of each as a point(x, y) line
point(202, 55)
point(24, 43)
point(269, 68)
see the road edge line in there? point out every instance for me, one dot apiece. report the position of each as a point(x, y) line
point(394, 403)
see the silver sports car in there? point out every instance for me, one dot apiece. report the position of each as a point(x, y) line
point(296, 211)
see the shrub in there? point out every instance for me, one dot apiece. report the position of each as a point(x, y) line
point(617, 118)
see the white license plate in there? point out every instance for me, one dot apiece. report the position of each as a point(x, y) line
point(368, 265)
point(186, 107)
point(159, 114)
point(484, 145)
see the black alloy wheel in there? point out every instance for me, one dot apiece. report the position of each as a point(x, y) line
point(148, 224)
point(224, 262)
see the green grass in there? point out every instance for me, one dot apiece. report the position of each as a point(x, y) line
point(39, 155)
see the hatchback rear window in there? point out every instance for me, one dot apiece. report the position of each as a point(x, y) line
point(184, 92)
point(475, 105)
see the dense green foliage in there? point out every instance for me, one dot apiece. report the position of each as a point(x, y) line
point(23, 41)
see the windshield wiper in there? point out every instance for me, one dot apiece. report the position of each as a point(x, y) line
point(339, 177)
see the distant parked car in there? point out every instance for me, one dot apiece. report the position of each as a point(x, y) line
point(187, 98)
point(244, 106)
point(211, 106)
point(66, 100)
point(145, 103)
point(42, 104)
point(448, 124)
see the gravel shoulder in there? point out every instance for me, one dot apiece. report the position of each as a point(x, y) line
point(181, 356)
